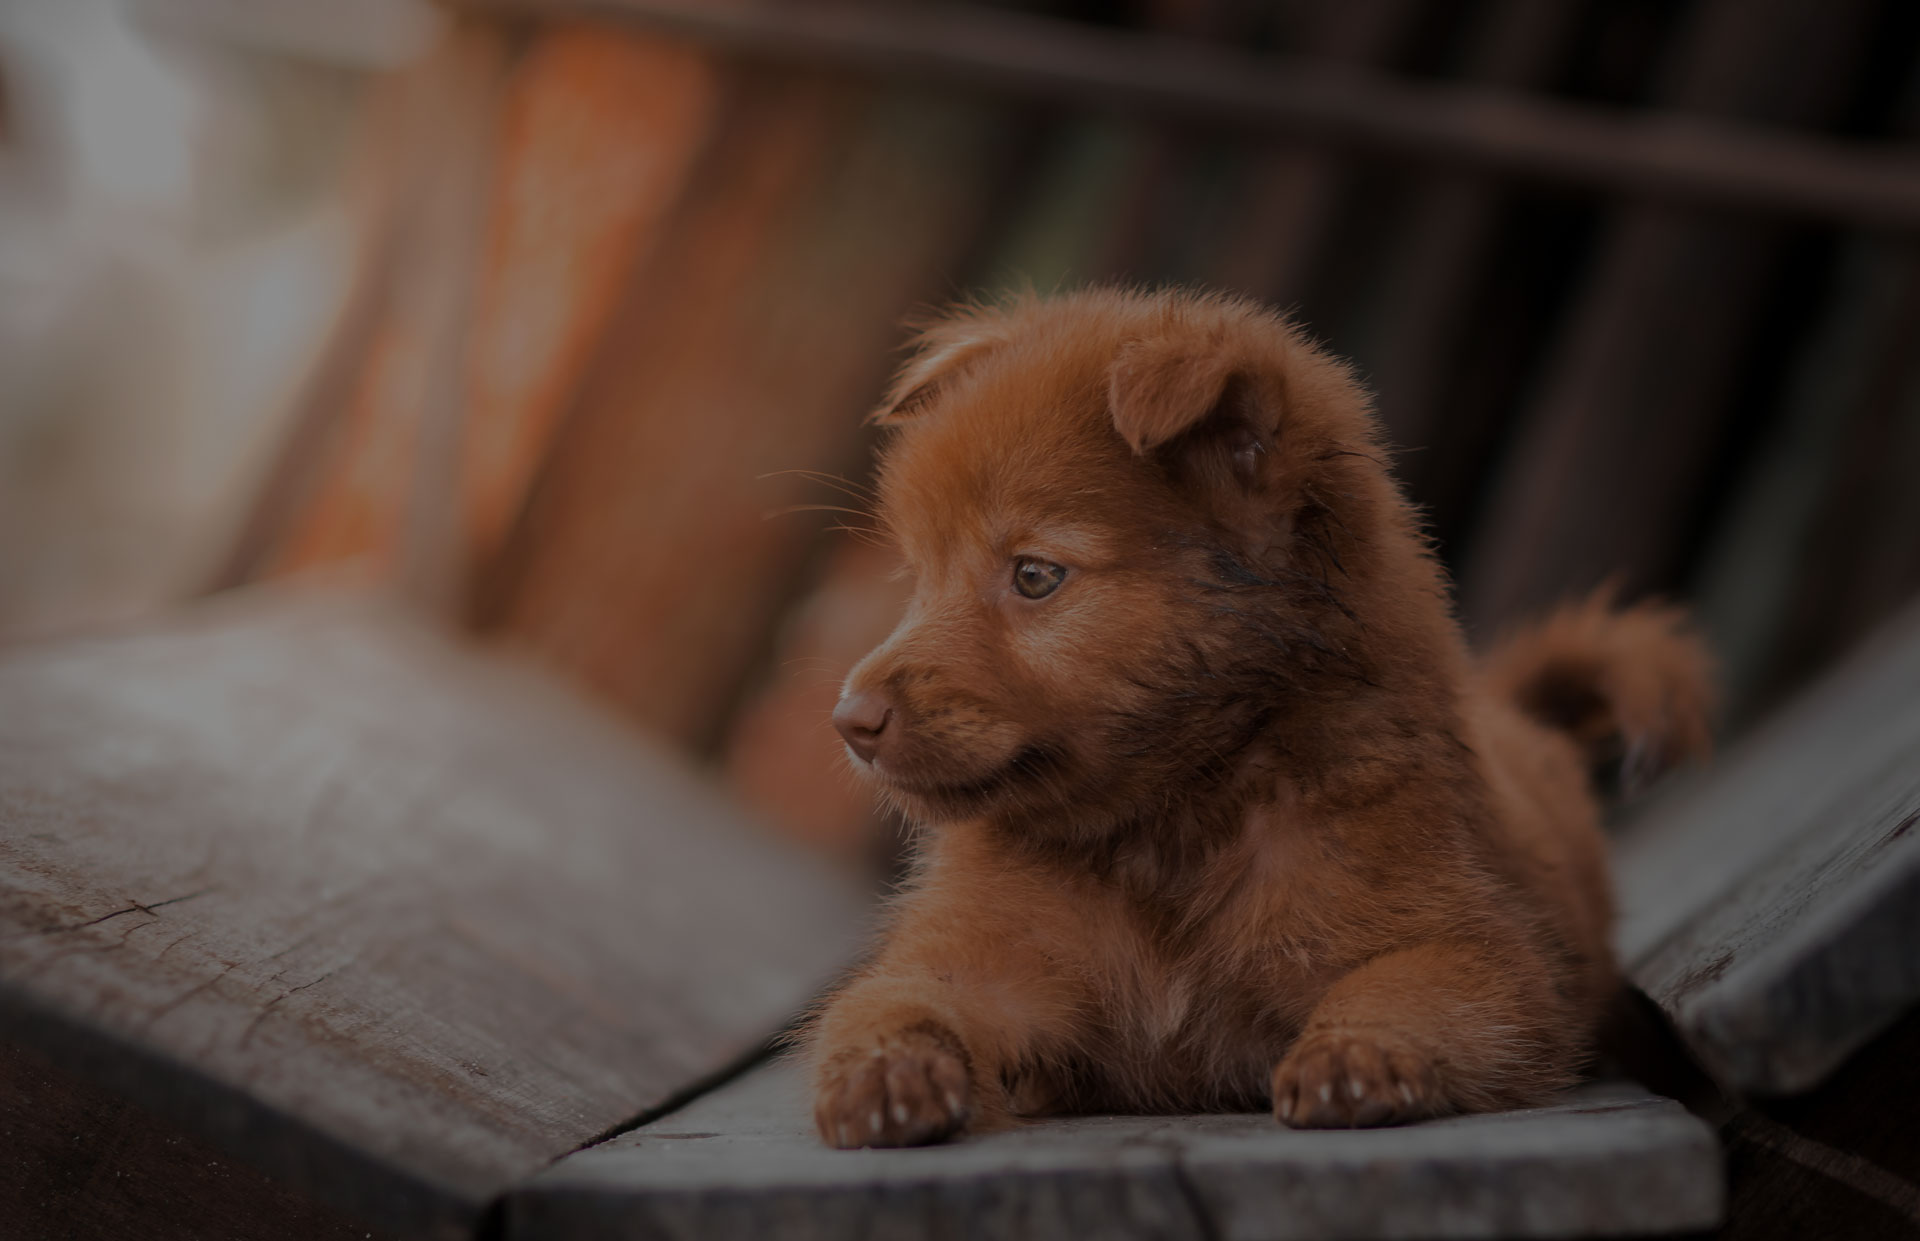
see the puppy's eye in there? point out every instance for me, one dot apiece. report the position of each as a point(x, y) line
point(1036, 579)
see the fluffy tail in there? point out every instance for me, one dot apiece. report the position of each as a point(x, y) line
point(1633, 686)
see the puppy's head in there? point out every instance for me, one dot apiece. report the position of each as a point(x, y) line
point(1140, 527)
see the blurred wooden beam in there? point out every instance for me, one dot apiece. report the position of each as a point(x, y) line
point(415, 204)
point(1637, 397)
point(1160, 161)
point(1846, 578)
point(380, 486)
point(1450, 233)
point(601, 132)
point(1294, 198)
point(720, 383)
point(448, 256)
point(1662, 155)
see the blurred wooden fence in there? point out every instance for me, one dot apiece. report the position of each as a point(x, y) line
point(1634, 280)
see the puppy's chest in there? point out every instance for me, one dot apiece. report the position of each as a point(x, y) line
point(1240, 944)
point(1220, 982)
point(1193, 1025)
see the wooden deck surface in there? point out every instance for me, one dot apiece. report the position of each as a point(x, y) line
point(1606, 1160)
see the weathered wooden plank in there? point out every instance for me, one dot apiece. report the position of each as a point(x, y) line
point(395, 921)
point(1607, 1159)
point(1771, 905)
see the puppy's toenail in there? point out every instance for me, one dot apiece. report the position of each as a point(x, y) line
point(1406, 1092)
point(873, 1122)
point(1326, 1092)
point(899, 1113)
point(1355, 1089)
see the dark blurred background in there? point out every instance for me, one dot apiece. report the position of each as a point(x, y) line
point(562, 318)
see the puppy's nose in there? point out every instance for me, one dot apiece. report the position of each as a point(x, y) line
point(861, 718)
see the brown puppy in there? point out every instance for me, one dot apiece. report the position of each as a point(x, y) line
point(1219, 809)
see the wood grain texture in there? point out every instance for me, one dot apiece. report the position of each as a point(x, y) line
point(1771, 905)
point(744, 1162)
point(393, 920)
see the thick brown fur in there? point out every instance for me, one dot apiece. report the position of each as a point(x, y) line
point(1230, 818)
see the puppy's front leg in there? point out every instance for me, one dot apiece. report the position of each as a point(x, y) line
point(890, 1068)
point(1438, 1028)
point(914, 1052)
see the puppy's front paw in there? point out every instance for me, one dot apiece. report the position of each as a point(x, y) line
point(908, 1090)
point(1354, 1080)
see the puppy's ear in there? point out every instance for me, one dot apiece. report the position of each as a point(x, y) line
point(1192, 399)
point(942, 353)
